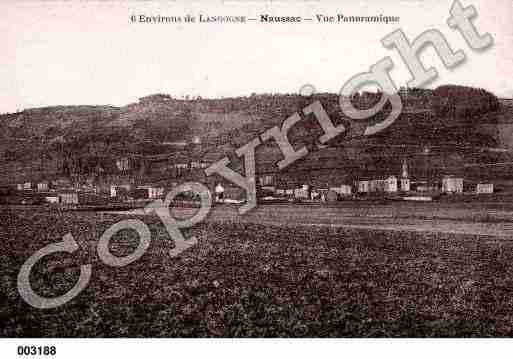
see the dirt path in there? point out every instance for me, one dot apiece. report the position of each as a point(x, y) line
point(417, 218)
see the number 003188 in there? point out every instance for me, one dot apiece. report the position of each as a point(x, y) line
point(30, 350)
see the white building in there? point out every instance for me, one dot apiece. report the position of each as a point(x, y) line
point(346, 189)
point(484, 188)
point(391, 184)
point(52, 199)
point(363, 186)
point(219, 192)
point(452, 184)
point(27, 185)
point(378, 185)
point(266, 180)
point(42, 186)
point(302, 193)
point(196, 164)
point(343, 190)
point(68, 197)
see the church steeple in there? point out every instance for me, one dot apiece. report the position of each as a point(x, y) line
point(404, 171)
point(405, 181)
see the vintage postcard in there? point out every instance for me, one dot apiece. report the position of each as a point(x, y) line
point(255, 169)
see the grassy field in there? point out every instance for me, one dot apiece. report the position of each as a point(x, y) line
point(253, 280)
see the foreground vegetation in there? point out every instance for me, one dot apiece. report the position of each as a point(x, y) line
point(249, 280)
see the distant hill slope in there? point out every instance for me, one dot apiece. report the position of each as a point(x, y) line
point(54, 141)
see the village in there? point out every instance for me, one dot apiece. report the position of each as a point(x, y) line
point(129, 190)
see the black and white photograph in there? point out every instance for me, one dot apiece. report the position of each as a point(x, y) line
point(264, 170)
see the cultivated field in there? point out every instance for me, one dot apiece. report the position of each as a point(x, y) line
point(264, 275)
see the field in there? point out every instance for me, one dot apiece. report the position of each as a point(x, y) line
point(265, 278)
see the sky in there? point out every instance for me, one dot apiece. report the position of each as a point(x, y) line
point(89, 52)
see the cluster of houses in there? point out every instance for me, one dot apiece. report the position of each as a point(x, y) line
point(190, 165)
point(388, 185)
point(67, 192)
point(122, 186)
